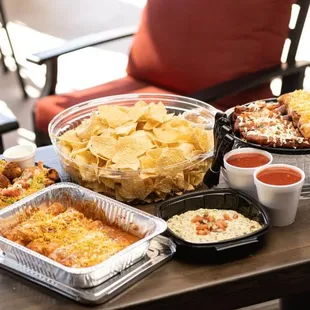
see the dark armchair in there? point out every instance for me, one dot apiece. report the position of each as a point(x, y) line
point(224, 53)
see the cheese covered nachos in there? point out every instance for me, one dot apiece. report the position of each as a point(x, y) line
point(285, 123)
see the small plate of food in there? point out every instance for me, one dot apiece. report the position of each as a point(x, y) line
point(17, 183)
point(215, 224)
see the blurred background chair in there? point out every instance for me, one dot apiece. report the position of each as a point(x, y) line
point(222, 52)
point(3, 25)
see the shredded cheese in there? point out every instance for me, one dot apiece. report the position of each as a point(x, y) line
point(261, 122)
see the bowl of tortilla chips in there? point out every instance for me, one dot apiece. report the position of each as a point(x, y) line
point(136, 147)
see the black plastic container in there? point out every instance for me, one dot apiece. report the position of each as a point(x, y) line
point(275, 150)
point(217, 199)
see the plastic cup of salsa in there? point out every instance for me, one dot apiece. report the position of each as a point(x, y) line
point(278, 188)
point(240, 165)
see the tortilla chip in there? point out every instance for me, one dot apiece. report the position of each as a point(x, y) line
point(113, 115)
point(155, 148)
point(103, 146)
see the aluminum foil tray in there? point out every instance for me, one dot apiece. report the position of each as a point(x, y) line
point(161, 250)
point(93, 206)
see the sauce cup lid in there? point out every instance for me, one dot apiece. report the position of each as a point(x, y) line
point(19, 152)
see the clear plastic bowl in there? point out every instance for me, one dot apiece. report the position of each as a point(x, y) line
point(108, 181)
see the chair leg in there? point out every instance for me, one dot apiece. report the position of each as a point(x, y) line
point(1, 145)
point(50, 79)
point(292, 82)
point(5, 69)
point(3, 21)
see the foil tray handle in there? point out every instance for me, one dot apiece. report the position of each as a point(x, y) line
point(160, 251)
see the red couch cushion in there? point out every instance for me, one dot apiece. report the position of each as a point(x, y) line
point(186, 45)
point(46, 108)
point(183, 46)
point(260, 92)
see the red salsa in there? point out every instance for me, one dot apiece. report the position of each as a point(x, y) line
point(247, 160)
point(279, 176)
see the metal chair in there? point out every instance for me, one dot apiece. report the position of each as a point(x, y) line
point(291, 72)
point(3, 25)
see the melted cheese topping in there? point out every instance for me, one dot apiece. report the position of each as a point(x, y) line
point(260, 121)
point(67, 236)
point(298, 106)
point(237, 225)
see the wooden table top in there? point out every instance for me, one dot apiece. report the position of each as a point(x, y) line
point(279, 269)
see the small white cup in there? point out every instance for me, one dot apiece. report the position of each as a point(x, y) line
point(21, 154)
point(242, 178)
point(280, 200)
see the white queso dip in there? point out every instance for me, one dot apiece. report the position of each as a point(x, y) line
point(211, 225)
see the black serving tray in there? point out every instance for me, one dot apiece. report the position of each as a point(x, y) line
point(275, 150)
point(217, 199)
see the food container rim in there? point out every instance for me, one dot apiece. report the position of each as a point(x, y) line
point(137, 96)
point(274, 150)
point(161, 226)
point(177, 238)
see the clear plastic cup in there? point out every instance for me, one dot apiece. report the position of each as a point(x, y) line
point(280, 200)
point(242, 178)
